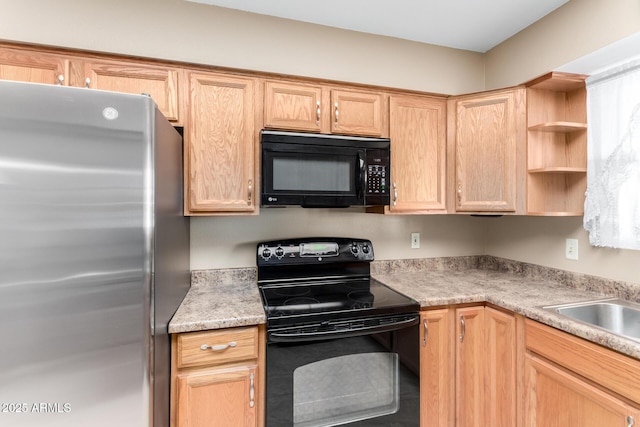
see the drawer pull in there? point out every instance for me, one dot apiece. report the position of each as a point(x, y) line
point(630, 421)
point(218, 347)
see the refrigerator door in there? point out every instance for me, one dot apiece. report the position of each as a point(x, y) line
point(76, 218)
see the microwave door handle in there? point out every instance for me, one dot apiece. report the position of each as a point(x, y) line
point(362, 179)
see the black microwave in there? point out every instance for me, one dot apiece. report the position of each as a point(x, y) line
point(324, 171)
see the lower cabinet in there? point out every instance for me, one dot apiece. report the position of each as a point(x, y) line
point(218, 378)
point(571, 382)
point(468, 367)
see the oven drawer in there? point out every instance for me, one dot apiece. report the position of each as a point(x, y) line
point(217, 347)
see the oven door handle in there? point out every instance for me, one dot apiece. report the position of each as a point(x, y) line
point(342, 333)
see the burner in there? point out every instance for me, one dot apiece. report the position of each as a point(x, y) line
point(300, 302)
point(296, 291)
point(363, 284)
point(360, 296)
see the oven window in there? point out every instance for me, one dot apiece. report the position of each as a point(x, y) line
point(313, 173)
point(345, 389)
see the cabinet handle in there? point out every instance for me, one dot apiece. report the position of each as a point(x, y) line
point(218, 347)
point(252, 391)
point(60, 80)
point(463, 328)
point(459, 193)
point(87, 82)
point(335, 106)
point(250, 192)
point(317, 113)
point(630, 421)
point(426, 332)
point(395, 194)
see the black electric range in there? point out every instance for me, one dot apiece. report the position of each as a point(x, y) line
point(319, 288)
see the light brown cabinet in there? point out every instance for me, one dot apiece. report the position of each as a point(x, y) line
point(470, 358)
point(486, 149)
point(575, 383)
point(437, 369)
point(556, 145)
point(33, 67)
point(221, 145)
point(468, 368)
point(417, 128)
point(317, 108)
point(159, 82)
point(217, 378)
point(501, 369)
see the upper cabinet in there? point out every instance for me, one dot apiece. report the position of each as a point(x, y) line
point(556, 144)
point(417, 128)
point(33, 67)
point(486, 149)
point(317, 108)
point(159, 82)
point(220, 148)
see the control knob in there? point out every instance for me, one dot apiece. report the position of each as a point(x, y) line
point(355, 249)
point(279, 252)
point(266, 254)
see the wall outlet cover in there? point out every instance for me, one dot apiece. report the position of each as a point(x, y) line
point(571, 249)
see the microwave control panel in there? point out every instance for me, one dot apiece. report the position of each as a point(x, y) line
point(378, 176)
point(376, 179)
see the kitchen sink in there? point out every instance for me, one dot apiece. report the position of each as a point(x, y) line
point(614, 315)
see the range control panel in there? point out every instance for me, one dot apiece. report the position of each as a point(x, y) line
point(313, 251)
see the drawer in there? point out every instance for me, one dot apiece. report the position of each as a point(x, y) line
point(216, 347)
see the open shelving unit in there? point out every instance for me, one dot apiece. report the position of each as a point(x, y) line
point(556, 145)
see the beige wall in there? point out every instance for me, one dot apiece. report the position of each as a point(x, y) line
point(572, 31)
point(231, 242)
point(193, 32)
point(185, 31)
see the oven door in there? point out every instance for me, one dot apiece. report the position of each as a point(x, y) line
point(357, 381)
point(312, 175)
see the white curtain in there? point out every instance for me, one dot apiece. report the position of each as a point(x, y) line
point(612, 204)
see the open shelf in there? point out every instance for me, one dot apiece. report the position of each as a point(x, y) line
point(559, 127)
point(556, 145)
point(558, 169)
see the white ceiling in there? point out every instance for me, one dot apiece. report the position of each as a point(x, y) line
point(476, 25)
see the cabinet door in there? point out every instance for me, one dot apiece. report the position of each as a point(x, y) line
point(436, 369)
point(220, 145)
point(470, 367)
point(158, 82)
point(557, 398)
point(417, 128)
point(289, 106)
point(33, 67)
point(356, 113)
point(217, 398)
point(488, 128)
point(500, 390)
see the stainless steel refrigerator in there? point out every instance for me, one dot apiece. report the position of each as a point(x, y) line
point(94, 257)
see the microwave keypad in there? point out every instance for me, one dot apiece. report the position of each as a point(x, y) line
point(376, 179)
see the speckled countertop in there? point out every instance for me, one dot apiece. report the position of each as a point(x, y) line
point(229, 298)
point(219, 299)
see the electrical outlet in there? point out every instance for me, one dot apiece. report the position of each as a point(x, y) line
point(415, 240)
point(571, 249)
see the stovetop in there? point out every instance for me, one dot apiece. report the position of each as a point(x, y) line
point(339, 299)
point(331, 284)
